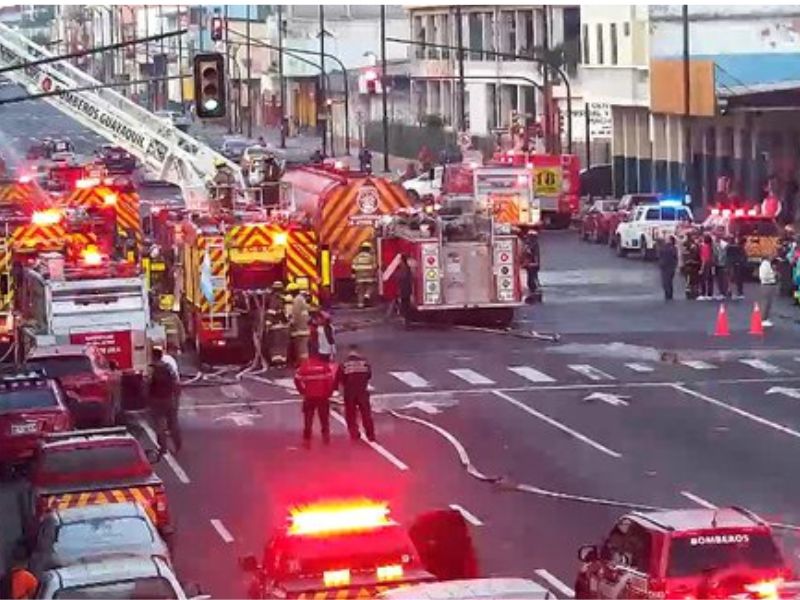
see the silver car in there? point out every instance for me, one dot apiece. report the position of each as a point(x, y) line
point(68, 536)
point(133, 577)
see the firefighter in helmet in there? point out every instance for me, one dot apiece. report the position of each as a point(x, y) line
point(277, 327)
point(364, 266)
point(222, 184)
point(298, 323)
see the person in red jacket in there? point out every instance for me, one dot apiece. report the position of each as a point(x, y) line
point(315, 379)
point(706, 269)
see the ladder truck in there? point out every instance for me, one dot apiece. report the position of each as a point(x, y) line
point(169, 153)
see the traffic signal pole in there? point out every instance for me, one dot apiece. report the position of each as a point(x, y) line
point(281, 82)
point(384, 80)
point(321, 101)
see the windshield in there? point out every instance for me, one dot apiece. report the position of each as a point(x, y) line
point(95, 462)
point(696, 554)
point(148, 588)
point(104, 532)
point(62, 366)
point(26, 399)
point(760, 227)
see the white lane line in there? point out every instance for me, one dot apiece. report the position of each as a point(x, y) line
point(375, 445)
point(742, 413)
point(531, 374)
point(640, 367)
point(591, 372)
point(467, 515)
point(287, 383)
point(698, 500)
point(177, 469)
point(698, 365)
point(554, 582)
point(557, 424)
point(471, 376)
point(222, 531)
point(233, 391)
point(410, 378)
point(762, 365)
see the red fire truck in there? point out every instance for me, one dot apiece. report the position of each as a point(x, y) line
point(556, 183)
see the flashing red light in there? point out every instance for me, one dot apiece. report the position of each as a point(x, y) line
point(338, 517)
point(85, 184)
point(91, 256)
point(25, 178)
point(765, 589)
point(753, 212)
point(51, 216)
point(110, 199)
point(739, 212)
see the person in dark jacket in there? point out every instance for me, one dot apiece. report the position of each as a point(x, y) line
point(531, 260)
point(353, 375)
point(736, 260)
point(405, 285)
point(315, 379)
point(164, 401)
point(668, 264)
point(365, 160)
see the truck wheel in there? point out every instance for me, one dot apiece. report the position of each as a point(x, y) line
point(503, 317)
point(621, 252)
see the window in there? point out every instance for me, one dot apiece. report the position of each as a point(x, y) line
point(139, 589)
point(94, 462)
point(63, 366)
point(688, 558)
point(104, 532)
point(528, 42)
point(612, 32)
point(585, 44)
point(475, 21)
point(653, 214)
point(27, 399)
point(628, 544)
point(508, 29)
point(600, 51)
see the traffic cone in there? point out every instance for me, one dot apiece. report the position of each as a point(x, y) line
point(722, 329)
point(756, 326)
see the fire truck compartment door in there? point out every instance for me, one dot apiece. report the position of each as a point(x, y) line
point(114, 340)
point(467, 274)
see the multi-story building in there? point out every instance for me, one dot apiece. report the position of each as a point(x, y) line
point(495, 85)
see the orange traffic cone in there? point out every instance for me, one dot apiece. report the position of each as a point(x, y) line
point(756, 326)
point(722, 329)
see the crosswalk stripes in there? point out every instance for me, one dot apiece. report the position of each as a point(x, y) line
point(471, 376)
point(591, 372)
point(762, 365)
point(698, 365)
point(640, 367)
point(410, 378)
point(532, 374)
point(287, 383)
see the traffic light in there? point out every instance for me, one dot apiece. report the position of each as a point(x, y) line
point(216, 28)
point(209, 85)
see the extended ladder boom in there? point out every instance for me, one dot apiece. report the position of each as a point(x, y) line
point(165, 150)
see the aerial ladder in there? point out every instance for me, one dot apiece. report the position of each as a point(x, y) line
point(164, 150)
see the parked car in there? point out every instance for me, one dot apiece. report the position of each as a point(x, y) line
point(175, 118)
point(233, 148)
point(116, 160)
point(596, 222)
point(68, 536)
point(86, 372)
point(626, 206)
point(31, 406)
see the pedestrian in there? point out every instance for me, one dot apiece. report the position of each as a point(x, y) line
point(315, 380)
point(531, 259)
point(298, 323)
point(353, 375)
point(736, 261)
point(19, 582)
point(326, 342)
point(668, 264)
point(691, 266)
point(365, 160)
point(721, 268)
point(405, 287)
point(164, 398)
point(706, 269)
point(769, 287)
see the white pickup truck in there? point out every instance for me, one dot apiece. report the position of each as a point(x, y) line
point(429, 182)
point(641, 231)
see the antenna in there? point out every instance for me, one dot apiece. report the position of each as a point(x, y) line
point(714, 519)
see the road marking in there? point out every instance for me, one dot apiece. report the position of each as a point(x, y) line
point(557, 424)
point(762, 365)
point(471, 376)
point(698, 365)
point(467, 515)
point(233, 391)
point(608, 398)
point(640, 367)
point(178, 470)
point(531, 374)
point(555, 582)
point(786, 391)
point(286, 383)
point(374, 445)
point(410, 378)
point(742, 413)
point(222, 531)
point(591, 372)
point(698, 500)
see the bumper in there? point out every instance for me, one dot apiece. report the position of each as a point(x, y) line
point(93, 410)
point(438, 307)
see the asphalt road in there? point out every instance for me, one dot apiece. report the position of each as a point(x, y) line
point(638, 404)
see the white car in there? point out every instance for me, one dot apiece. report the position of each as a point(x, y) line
point(648, 224)
point(175, 118)
point(430, 182)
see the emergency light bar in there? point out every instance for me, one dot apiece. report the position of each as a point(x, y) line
point(25, 179)
point(50, 216)
point(85, 184)
point(343, 517)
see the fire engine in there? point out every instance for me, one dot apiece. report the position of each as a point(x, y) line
point(462, 262)
point(218, 257)
point(343, 207)
point(508, 193)
point(760, 232)
point(91, 301)
point(556, 183)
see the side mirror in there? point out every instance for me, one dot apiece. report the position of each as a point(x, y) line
point(249, 563)
point(587, 554)
point(153, 455)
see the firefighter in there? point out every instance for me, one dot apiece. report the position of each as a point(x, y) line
point(364, 274)
point(353, 375)
point(691, 266)
point(272, 177)
point(667, 263)
point(531, 261)
point(315, 379)
point(298, 323)
point(736, 261)
point(277, 327)
point(222, 184)
point(405, 287)
point(365, 160)
point(784, 265)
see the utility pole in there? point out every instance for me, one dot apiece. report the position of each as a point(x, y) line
point(180, 56)
point(322, 101)
point(281, 83)
point(249, 74)
point(587, 122)
point(687, 104)
point(162, 87)
point(384, 80)
point(548, 92)
point(147, 54)
point(231, 102)
point(462, 113)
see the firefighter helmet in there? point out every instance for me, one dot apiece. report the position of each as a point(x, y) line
point(278, 285)
point(292, 287)
point(219, 162)
point(365, 246)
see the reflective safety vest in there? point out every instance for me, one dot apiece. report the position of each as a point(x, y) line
point(364, 266)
